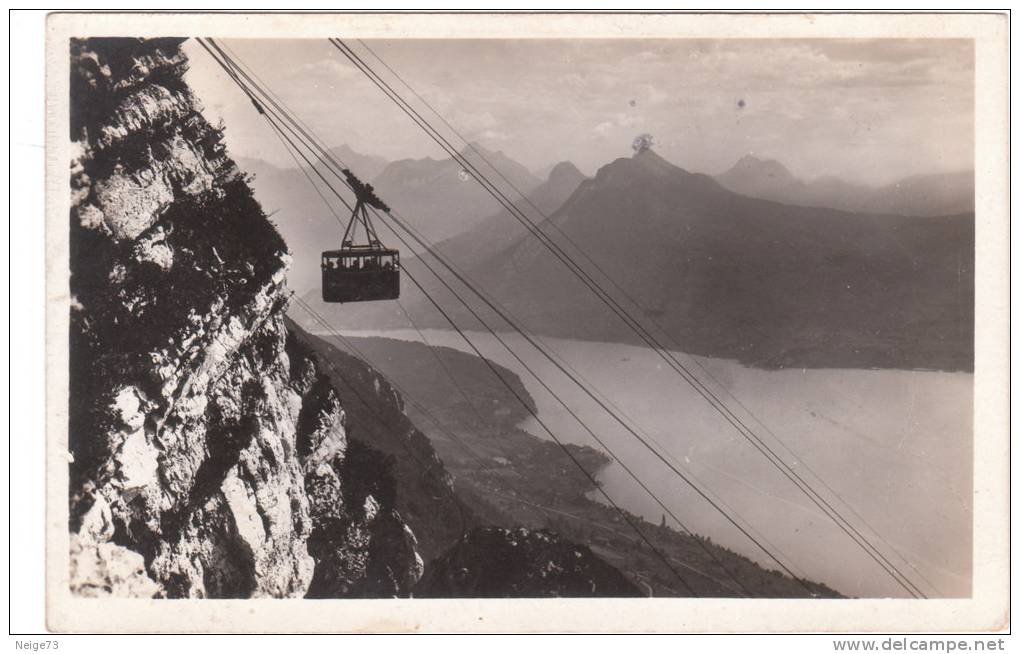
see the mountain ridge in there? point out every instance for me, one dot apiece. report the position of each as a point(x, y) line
point(934, 194)
point(727, 275)
point(440, 197)
point(701, 261)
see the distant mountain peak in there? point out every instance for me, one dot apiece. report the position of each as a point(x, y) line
point(650, 162)
point(650, 157)
point(751, 164)
point(366, 166)
point(565, 171)
point(344, 147)
point(442, 195)
point(475, 148)
point(647, 164)
point(918, 195)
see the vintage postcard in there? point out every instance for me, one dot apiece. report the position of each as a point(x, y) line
point(527, 322)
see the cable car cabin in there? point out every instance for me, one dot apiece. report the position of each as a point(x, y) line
point(360, 273)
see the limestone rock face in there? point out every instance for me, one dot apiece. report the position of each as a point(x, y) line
point(209, 450)
point(108, 570)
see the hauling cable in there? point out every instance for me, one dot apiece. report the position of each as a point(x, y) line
point(546, 221)
point(785, 469)
point(226, 63)
point(617, 418)
point(320, 157)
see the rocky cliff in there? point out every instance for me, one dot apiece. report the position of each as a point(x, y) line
point(425, 494)
point(211, 455)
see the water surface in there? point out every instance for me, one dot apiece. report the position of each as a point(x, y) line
point(890, 449)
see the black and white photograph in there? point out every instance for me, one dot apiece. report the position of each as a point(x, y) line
point(403, 312)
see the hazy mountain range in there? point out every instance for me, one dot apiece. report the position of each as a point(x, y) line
point(729, 275)
point(441, 198)
point(872, 278)
point(435, 196)
point(920, 195)
point(472, 247)
point(724, 274)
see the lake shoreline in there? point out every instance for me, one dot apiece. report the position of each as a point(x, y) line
point(754, 364)
point(508, 475)
point(889, 443)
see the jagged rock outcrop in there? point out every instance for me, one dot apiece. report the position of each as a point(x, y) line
point(428, 500)
point(495, 562)
point(210, 453)
point(106, 569)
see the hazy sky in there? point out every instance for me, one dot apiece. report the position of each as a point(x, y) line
point(868, 111)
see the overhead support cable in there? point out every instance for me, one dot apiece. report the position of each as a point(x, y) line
point(547, 222)
point(778, 462)
point(325, 159)
point(226, 63)
point(476, 292)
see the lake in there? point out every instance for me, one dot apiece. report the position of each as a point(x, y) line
point(890, 449)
